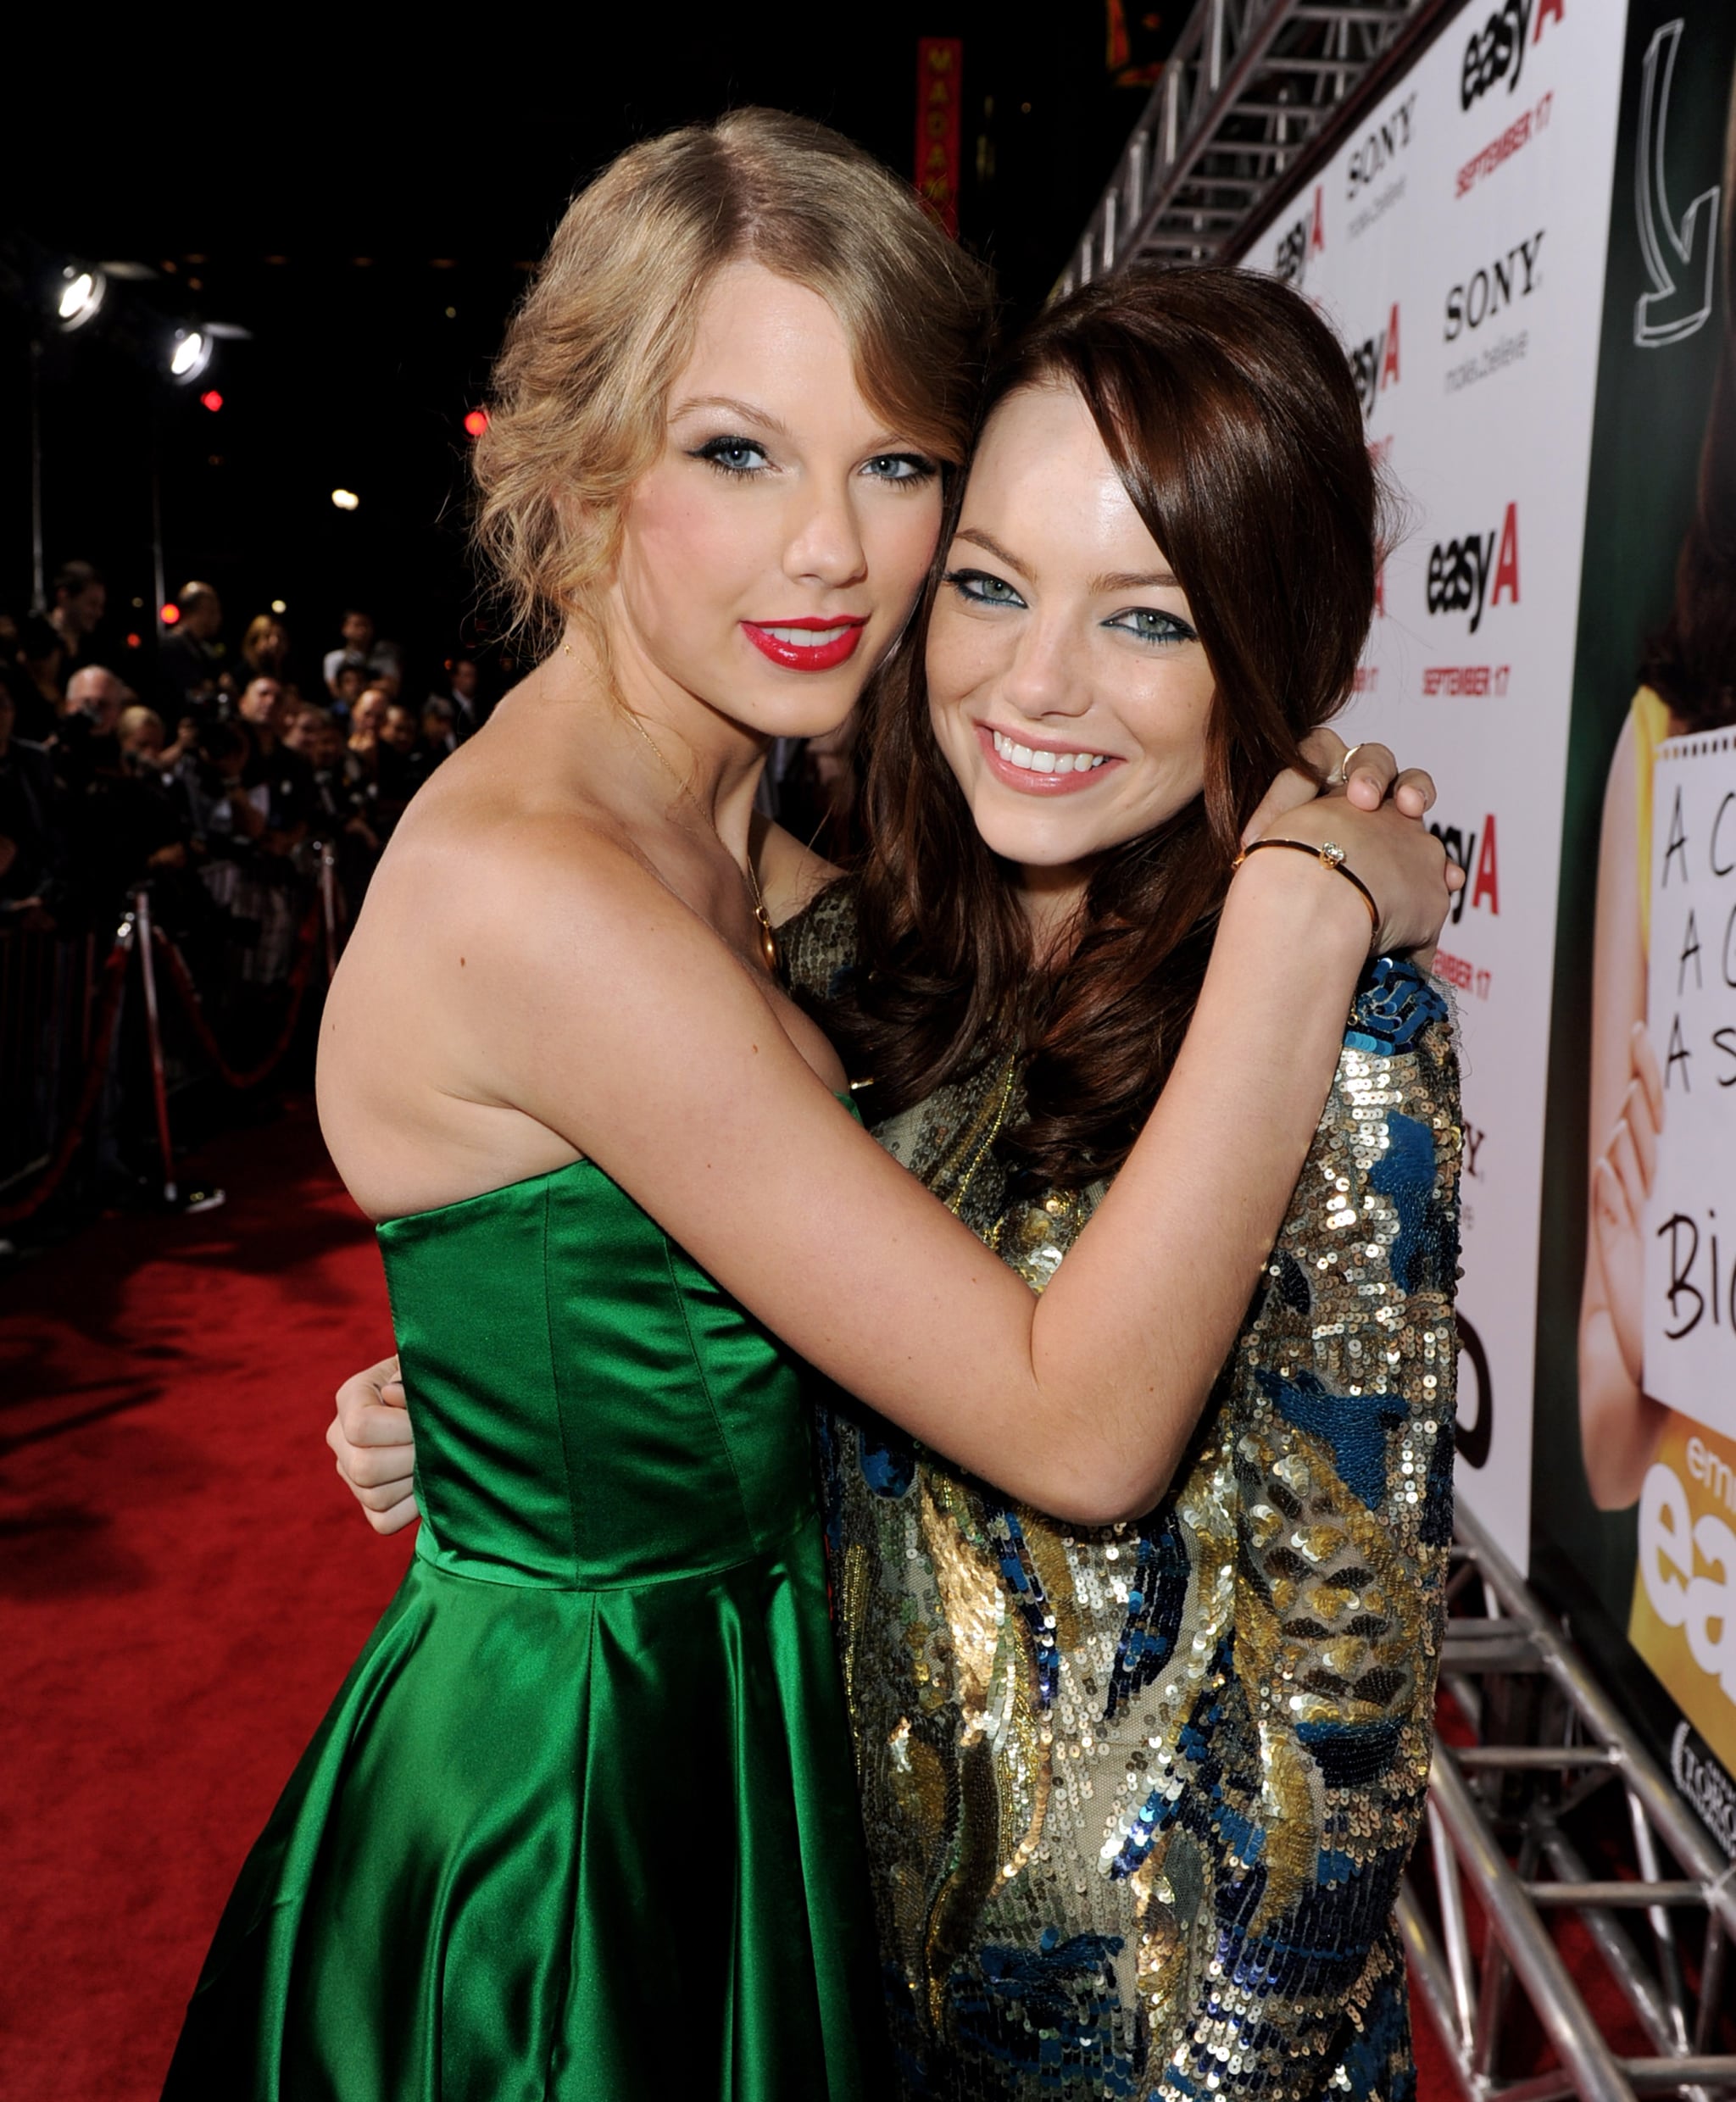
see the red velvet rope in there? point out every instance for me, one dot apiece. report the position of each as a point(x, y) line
point(182, 980)
point(102, 1050)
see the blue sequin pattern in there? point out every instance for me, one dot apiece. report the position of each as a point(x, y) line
point(1137, 1798)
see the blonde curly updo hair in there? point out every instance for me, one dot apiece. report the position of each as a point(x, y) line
point(581, 385)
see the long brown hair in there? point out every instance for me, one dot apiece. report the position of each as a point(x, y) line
point(1228, 408)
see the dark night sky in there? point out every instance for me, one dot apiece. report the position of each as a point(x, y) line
point(338, 206)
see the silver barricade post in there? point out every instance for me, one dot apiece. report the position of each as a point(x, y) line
point(328, 904)
point(153, 1033)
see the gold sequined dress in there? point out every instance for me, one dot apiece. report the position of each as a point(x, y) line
point(1137, 1799)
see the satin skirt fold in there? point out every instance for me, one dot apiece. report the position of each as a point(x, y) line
point(583, 1844)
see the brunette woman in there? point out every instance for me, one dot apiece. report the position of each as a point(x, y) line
point(1138, 1797)
point(580, 1822)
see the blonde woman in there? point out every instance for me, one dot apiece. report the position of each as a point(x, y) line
point(580, 1823)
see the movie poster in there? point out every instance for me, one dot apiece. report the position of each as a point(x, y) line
point(1635, 1485)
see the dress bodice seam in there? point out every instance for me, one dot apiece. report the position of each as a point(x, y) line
point(554, 1384)
point(651, 1580)
point(749, 1528)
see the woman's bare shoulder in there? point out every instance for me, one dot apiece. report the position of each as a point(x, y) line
point(509, 850)
point(507, 962)
point(491, 914)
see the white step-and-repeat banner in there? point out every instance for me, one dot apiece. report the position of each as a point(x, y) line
point(1458, 243)
point(1522, 246)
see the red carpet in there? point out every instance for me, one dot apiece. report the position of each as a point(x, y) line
point(184, 1583)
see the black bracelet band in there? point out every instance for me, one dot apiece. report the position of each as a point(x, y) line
point(1330, 855)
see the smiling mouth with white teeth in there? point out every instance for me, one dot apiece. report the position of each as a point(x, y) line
point(809, 644)
point(1036, 761)
point(809, 638)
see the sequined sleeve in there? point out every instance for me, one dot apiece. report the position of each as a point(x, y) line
point(1339, 1427)
point(1139, 1797)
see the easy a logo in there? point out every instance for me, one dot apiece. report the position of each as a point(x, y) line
point(1382, 146)
point(1304, 238)
point(1482, 889)
point(1485, 292)
point(1374, 363)
point(1687, 1564)
point(1496, 51)
point(1466, 575)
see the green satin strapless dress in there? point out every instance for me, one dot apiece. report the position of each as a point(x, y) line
point(581, 1823)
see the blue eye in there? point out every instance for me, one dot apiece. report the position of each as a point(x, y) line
point(1150, 623)
point(899, 467)
point(983, 589)
point(732, 456)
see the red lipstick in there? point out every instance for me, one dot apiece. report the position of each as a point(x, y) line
point(772, 639)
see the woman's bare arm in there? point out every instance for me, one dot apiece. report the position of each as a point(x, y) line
point(595, 1004)
point(1619, 1423)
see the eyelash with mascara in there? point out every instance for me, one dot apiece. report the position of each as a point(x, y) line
point(1176, 630)
point(712, 453)
point(922, 469)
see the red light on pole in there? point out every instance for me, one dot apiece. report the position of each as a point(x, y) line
point(476, 423)
point(169, 615)
point(135, 642)
point(211, 399)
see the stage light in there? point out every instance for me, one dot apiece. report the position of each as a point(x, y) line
point(169, 612)
point(135, 642)
point(345, 499)
point(278, 606)
point(476, 422)
point(211, 399)
point(188, 355)
point(82, 292)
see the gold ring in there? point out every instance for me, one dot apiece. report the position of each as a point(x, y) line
point(1343, 775)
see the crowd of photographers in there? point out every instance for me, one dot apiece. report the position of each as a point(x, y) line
point(219, 771)
point(245, 789)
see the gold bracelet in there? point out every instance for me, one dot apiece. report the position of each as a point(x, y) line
point(1330, 855)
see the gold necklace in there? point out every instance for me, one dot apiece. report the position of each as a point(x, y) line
point(768, 937)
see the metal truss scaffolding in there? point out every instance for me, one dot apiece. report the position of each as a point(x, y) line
point(1249, 89)
point(1553, 1756)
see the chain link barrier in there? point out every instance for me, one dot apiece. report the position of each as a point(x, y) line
point(98, 1059)
point(137, 935)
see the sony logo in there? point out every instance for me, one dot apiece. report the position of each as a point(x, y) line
point(1485, 292)
point(1466, 575)
point(1384, 142)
